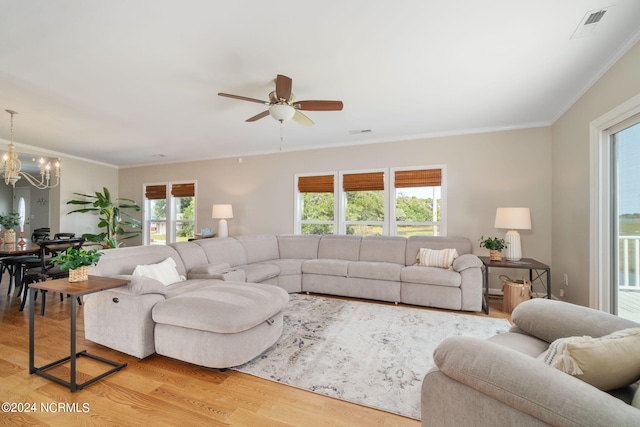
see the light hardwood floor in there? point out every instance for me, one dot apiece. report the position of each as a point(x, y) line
point(155, 391)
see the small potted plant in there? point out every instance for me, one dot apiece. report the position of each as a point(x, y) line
point(494, 245)
point(8, 221)
point(77, 261)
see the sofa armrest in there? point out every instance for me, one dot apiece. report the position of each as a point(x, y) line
point(140, 285)
point(549, 320)
point(530, 386)
point(466, 261)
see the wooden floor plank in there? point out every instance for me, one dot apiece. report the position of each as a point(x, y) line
point(157, 390)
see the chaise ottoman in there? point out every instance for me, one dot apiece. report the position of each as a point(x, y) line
point(220, 325)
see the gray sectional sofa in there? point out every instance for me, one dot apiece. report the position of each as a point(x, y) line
point(374, 267)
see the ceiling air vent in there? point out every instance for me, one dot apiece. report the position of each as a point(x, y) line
point(587, 27)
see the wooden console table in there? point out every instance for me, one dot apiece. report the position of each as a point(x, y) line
point(77, 289)
point(524, 264)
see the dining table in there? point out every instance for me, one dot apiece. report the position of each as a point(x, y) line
point(16, 249)
point(10, 249)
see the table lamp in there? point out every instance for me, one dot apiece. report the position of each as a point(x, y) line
point(513, 219)
point(222, 212)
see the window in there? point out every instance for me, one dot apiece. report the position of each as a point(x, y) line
point(397, 201)
point(417, 204)
point(363, 204)
point(169, 213)
point(315, 204)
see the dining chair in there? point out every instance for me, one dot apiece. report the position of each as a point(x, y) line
point(59, 236)
point(40, 234)
point(44, 269)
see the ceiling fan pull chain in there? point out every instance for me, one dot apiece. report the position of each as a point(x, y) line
point(281, 134)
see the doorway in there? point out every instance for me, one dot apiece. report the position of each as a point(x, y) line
point(625, 204)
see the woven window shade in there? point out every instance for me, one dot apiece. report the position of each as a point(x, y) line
point(155, 192)
point(183, 190)
point(315, 184)
point(419, 178)
point(363, 181)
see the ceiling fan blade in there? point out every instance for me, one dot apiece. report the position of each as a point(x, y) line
point(283, 87)
point(258, 116)
point(302, 119)
point(318, 105)
point(243, 98)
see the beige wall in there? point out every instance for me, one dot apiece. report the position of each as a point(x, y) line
point(571, 172)
point(79, 177)
point(485, 171)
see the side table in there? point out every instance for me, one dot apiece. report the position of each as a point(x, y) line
point(524, 264)
point(76, 289)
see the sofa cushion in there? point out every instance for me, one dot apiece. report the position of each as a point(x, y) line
point(259, 248)
point(125, 260)
point(430, 276)
point(210, 268)
point(164, 272)
point(375, 270)
point(260, 272)
point(340, 247)
point(191, 254)
point(288, 266)
point(608, 362)
point(223, 249)
point(327, 267)
point(223, 307)
point(304, 246)
point(139, 285)
point(383, 249)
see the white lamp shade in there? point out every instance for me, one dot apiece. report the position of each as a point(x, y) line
point(222, 211)
point(513, 218)
point(282, 112)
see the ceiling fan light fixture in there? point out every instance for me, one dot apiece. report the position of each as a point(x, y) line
point(282, 112)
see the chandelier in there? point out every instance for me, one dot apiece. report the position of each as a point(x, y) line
point(12, 167)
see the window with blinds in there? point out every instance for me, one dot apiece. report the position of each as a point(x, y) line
point(315, 207)
point(169, 212)
point(393, 201)
point(417, 202)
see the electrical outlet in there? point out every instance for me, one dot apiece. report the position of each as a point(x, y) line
point(566, 279)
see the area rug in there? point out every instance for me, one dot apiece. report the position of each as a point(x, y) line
point(369, 354)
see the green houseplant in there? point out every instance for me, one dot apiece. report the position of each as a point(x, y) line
point(494, 245)
point(8, 221)
point(77, 261)
point(118, 224)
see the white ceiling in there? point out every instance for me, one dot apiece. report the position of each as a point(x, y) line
point(122, 82)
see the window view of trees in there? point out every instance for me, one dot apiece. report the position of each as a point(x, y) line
point(367, 209)
point(317, 213)
point(185, 214)
point(414, 208)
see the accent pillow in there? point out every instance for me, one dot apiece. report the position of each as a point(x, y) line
point(436, 258)
point(608, 362)
point(164, 272)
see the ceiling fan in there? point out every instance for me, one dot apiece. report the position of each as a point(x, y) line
point(283, 106)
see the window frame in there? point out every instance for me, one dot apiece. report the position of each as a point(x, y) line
point(442, 224)
point(171, 219)
point(299, 205)
point(342, 196)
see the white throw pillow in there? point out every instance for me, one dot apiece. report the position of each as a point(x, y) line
point(434, 258)
point(164, 272)
point(608, 362)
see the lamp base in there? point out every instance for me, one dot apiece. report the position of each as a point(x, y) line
point(223, 230)
point(513, 252)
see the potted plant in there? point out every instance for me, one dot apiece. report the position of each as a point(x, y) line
point(118, 224)
point(8, 221)
point(77, 261)
point(494, 245)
